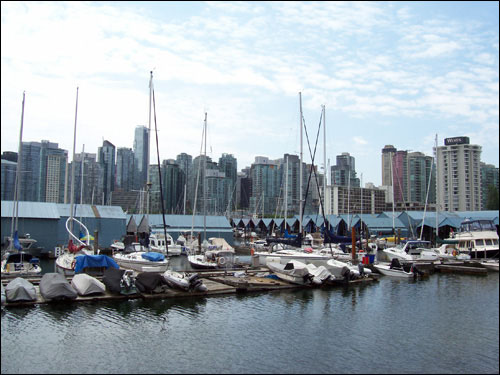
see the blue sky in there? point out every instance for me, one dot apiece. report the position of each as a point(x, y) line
point(387, 72)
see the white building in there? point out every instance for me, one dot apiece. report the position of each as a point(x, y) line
point(459, 175)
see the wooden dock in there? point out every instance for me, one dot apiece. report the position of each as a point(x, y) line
point(217, 283)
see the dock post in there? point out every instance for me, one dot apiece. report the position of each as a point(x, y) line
point(96, 241)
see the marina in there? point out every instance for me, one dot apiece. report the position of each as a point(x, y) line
point(348, 328)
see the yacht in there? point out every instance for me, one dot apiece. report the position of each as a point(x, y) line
point(478, 237)
point(412, 250)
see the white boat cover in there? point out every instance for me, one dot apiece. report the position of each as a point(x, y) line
point(85, 284)
point(293, 268)
point(320, 274)
point(54, 286)
point(20, 289)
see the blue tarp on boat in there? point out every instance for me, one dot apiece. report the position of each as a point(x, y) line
point(84, 261)
point(154, 257)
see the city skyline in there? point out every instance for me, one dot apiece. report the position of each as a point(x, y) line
point(387, 73)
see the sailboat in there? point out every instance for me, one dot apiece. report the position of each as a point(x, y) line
point(16, 261)
point(146, 260)
point(212, 257)
point(78, 255)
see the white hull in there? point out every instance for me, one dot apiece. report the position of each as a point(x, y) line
point(387, 271)
point(490, 265)
point(134, 261)
point(287, 255)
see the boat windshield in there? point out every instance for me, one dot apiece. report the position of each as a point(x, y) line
point(477, 225)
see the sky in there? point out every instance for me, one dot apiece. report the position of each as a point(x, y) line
point(388, 73)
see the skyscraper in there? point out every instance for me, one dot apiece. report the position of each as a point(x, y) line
point(106, 159)
point(141, 154)
point(125, 164)
point(459, 175)
point(387, 155)
point(489, 177)
point(344, 172)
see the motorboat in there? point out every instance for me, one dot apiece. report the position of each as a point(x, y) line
point(394, 269)
point(157, 243)
point(339, 269)
point(320, 275)
point(20, 290)
point(479, 237)
point(150, 282)
point(142, 261)
point(184, 281)
point(292, 271)
point(212, 259)
point(412, 250)
point(55, 287)
point(278, 250)
point(448, 251)
point(20, 263)
point(119, 281)
point(490, 264)
point(86, 285)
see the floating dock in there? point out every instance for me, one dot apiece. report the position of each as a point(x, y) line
point(217, 282)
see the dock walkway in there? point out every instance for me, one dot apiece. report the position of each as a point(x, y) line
point(217, 283)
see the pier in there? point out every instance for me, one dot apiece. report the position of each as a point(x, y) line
point(218, 282)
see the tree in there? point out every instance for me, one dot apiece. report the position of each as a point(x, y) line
point(492, 201)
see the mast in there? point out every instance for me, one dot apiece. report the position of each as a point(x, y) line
point(148, 184)
point(392, 183)
point(300, 167)
point(286, 191)
point(426, 198)
point(72, 198)
point(324, 155)
point(159, 167)
point(205, 183)
point(17, 184)
point(437, 200)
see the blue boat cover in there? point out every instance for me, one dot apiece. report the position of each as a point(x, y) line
point(154, 257)
point(84, 261)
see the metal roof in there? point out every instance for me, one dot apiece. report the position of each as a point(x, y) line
point(36, 210)
point(45, 210)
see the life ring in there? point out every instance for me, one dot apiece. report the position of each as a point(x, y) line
point(221, 261)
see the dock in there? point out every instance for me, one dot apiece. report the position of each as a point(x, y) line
point(219, 282)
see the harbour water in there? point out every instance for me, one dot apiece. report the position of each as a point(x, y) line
point(446, 323)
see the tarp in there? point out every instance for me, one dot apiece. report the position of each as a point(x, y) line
point(111, 278)
point(20, 289)
point(153, 256)
point(85, 284)
point(147, 282)
point(54, 286)
point(84, 261)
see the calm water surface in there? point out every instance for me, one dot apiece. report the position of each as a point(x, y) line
point(443, 324)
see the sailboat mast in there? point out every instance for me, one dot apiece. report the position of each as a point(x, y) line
point(148, 184)
point(205, 183)
point(300, 167)
point(72, 199)
point(437, 190)
point(17, 188)
point(324, 155)
point(393, 198)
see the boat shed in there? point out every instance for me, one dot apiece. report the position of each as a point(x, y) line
point(46, 222)
point(183, 223)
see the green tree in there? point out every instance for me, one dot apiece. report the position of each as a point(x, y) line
point(492, 202)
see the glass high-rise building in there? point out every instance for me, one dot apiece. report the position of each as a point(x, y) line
point(141, 153)
point(106, 159)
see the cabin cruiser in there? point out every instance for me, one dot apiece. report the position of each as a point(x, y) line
point(479, 237)
point(157, 243)
point(449, 251)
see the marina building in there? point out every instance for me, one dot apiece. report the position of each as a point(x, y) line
point(459, 175)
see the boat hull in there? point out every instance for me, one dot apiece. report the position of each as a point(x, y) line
point(387, 271)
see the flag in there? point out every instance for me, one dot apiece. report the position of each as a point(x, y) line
point(17, 244)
